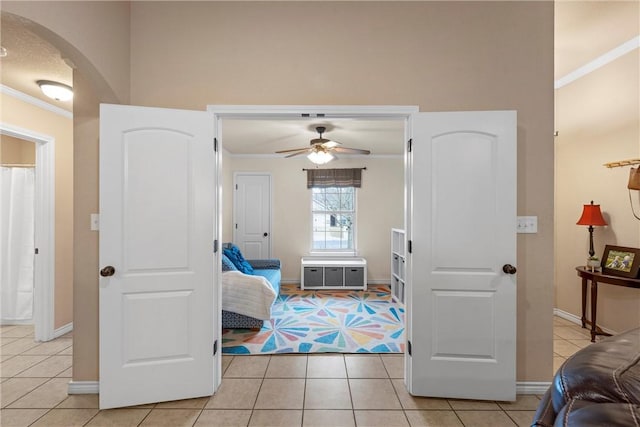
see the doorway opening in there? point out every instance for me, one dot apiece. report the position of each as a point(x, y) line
point(250, 137)
point(44, 238)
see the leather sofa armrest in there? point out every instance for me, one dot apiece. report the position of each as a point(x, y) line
point(545, 414)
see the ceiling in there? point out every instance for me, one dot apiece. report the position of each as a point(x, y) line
point(584, 30)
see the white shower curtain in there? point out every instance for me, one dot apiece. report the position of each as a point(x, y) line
point(17, 244)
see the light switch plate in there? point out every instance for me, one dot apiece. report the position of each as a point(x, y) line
point(95, 222)
point(527, 224)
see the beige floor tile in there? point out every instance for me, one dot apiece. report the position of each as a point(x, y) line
point(373, 394)
point(126, 417)
point(559, 321)
point(521, 418)
point(524, 402)
point(80, 401)
point(48, 395)
point(197, 403)
point(19, 363)
point(581, 343)
point(275, 418)
point(171, 418)
point(18, 346)
point(328, 418)
point(66, 418)
point(414, 402)
point(327, 393)
point(380, 419)
point(280, 393)
point(49, 367)
point(20, 417)
point(557, 362)
point(564, 348)
point(5, 357)
point(365, 366)
point(68, 373)
point(287, 366)
point(433, 419)
point(223, 418)
point(247, 367)
point(15, 388)
point(471, 405)
point(394, 366)
point(49, 348)
point(485, 418)
point(4, 340)
point(66, 352)
point(570, 333)
point(17, 331)
point(235, 393)
point(226, 361)
point(326, 366)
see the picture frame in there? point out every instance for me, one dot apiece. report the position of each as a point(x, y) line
point(621, 261)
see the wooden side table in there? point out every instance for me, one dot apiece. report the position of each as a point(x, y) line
point(595, 278)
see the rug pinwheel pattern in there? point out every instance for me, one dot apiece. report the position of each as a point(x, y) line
point(325, 322)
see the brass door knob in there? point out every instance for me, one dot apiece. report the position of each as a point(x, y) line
point(107, 271)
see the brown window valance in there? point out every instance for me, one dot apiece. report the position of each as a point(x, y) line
point(320, 178)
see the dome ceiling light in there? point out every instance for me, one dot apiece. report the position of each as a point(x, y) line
point(55, 90)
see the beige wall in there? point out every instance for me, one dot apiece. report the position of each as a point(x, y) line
point(380, 206)
point(26, 116)
point(609, 98)
point(437, 55)
point(16, 151)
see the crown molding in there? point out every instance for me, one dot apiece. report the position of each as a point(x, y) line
point(6, 90)
point(599, 62)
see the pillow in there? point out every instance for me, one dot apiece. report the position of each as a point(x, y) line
point(235, 256)
point(227, 265)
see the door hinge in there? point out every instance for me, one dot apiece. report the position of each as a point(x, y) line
point(410, 246)
point(215, 246)
point(410, 147)
point(37, 251)
point(236, 186)
point(409, 347)
point(215, 347)
point(236, 226)
point(215, 144)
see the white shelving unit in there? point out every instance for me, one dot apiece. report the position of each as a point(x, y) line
point(333, 273)
point(398, 248)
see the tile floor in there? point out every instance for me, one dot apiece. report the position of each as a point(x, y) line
point(283, 390)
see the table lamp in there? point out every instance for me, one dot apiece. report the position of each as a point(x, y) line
point(591, 216)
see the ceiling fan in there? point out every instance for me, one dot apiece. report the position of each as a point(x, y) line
point(321, 149)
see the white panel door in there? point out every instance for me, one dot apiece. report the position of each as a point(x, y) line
point(157, 215)
point(252, 212)
point(461, 221)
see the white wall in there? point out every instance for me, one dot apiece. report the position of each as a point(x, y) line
point(380, 207)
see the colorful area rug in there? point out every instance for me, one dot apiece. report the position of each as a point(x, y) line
point(325, 322)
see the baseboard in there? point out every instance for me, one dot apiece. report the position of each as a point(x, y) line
point(63, 330)
point(532, 387)
point(577, 320)
point(83, 387)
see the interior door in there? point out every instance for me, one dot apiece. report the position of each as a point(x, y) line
point(461, 233)
point(157, 284)
point(252, 214)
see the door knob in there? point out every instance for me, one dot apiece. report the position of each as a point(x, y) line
point(265, 234)
point(509, 269)
point(107, 271)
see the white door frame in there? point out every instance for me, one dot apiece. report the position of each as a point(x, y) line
point(44, 277)
point(235, 204)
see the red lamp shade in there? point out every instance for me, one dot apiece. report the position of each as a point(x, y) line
point(591, 215)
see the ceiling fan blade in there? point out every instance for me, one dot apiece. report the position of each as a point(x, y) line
point(292, 150)
point(331, 144)
point(305, 151)
point(346, 150)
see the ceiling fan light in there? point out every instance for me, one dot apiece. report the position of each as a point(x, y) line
point(55, 90)
point(320, 157)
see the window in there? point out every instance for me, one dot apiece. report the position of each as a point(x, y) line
point(333, 219)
